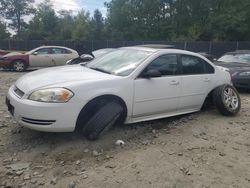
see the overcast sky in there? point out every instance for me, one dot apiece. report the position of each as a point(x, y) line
point(76, 5)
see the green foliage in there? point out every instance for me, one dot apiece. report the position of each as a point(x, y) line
point(4, 34)
point(179, 19)
point(96, 26)
point(65, 25)
point(175, 20)
point(44, 23)
point(15, 10)
point(81, 26)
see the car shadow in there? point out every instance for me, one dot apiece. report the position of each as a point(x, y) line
point(25, 138)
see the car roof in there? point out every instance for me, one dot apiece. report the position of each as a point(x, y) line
point(170, 50)
point(157, 46)
point(53, 47)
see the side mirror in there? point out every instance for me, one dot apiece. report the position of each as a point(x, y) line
point(35, 53)
point(86, 58)
point(152, 73)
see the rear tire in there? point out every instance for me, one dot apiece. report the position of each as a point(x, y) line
point(102, 120)
point(18, 66)
point(227, 100)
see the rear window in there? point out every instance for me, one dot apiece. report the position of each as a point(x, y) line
point(237, 58)
point(60, 51)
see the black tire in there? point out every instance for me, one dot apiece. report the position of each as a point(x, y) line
point(102, 120)
point(18, 66)
point(228, 106)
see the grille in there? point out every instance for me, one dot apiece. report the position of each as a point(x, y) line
point(38, 121)
point(18, 92)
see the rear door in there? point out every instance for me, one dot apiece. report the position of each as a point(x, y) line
point(156, 96)
point(196, 78)
point(40, 58)
point(60, 56)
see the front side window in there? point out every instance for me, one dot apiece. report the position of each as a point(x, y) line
point(167, 65)
point(192, 65)
point(43, 51)
point(120, 62)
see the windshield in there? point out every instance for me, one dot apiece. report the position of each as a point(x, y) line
point(239, 58)
point(99, 53)
point(120, 62)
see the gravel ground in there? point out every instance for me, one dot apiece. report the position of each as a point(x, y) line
point(200, 150)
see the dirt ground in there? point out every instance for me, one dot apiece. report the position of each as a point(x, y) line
point(201, 150)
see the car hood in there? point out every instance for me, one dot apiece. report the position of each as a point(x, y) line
point(58, 75)
point(13, 54)
point(234, 66)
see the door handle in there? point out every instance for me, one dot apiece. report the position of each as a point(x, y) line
point(174, 82)
point(207, 80)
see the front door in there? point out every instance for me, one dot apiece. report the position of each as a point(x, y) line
point(40, 58)
point(155, 96)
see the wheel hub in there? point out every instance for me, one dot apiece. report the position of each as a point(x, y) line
point(231, 99)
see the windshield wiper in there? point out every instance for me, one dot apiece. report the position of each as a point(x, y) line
point(100, 70)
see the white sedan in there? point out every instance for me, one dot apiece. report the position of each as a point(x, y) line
point(131, 84)
point(44, 56)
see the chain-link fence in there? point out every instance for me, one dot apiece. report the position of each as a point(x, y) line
point(215, 48)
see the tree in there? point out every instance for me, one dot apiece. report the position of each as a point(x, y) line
point(140, 19)
point(81, 26)
point(97, 26)
point(178, 19)
point(15, 10)
point(229, 20)
point(4, 34)
point(65, 25)
point(44, 24)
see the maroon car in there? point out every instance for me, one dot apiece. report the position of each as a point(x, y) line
point(45, 56)
point(3, 52)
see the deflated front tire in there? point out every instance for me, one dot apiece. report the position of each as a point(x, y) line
point(227, 100)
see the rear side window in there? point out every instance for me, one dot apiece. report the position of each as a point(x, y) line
point(60, 51)
point(192, 65)
point(166, 65)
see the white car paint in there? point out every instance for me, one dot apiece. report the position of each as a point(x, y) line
point(49, 60)
point(146, 99)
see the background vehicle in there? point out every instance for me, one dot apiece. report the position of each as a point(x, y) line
point(44, 56)
point(238, 64)
point(89, 57)
point(208, 56)
point(157, 46)
point(130, 84)
point(3, 52)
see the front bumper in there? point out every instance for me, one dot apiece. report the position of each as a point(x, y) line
point(46, 117)
point(4, 64)
point(241, 82)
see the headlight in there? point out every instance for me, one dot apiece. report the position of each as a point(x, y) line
point(244, 74)
point(51, 95)
point(3, 58)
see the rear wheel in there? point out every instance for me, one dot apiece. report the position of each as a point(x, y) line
point(18, 66)
point(227, 100)
point(102, 120)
